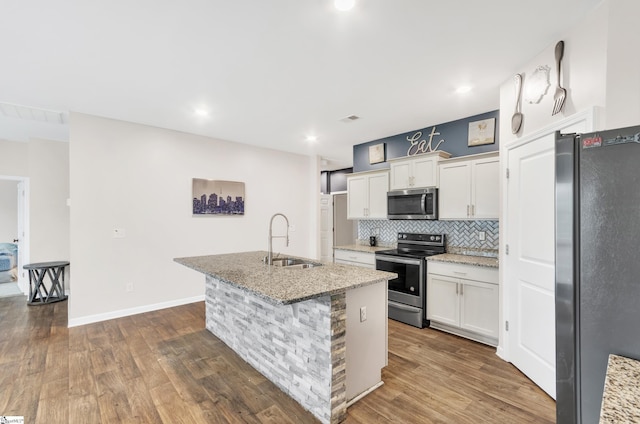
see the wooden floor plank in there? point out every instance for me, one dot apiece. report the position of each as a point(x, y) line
point(164, 366)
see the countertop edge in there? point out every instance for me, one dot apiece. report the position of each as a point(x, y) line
point(280, 301)
point(361, 248)
point(481, 261)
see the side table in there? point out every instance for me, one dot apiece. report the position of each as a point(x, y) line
point(39, 294)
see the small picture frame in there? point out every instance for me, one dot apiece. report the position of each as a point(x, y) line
point(482, 132)
point(376, 153)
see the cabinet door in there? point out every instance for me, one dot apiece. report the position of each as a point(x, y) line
point(485, 188)
point(442, 299)
point(357, 188)
point(399, 175)
point(378, 188)
point(425, 172)
point(479, 308)
point(455, 190)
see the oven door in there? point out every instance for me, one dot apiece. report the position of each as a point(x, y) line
point(409, 287)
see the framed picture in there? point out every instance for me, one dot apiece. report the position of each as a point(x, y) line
point(376, 153)
point(217, 197)
point(482, 132)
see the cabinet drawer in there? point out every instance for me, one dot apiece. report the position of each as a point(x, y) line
point(468, 272)
point(353, 256)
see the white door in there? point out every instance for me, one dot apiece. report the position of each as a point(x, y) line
point(530, 267)
point(455, 191)
point(23, 234)
point(479, 308)
point(443, 304)
point(400, 174)
point(326, 228)
point(378, 188)
point(357, 197)
point(425, 172)
point(486, 188)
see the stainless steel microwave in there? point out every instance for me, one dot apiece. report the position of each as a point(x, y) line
point(413, 204)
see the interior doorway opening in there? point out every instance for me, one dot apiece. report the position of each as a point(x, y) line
point(14, 225)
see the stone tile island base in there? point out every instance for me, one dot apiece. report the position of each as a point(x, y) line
point(299, 347)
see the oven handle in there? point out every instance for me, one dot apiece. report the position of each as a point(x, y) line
point(403, 307)
point(399, 260)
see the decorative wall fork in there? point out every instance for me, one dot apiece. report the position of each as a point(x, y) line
point(560, 94)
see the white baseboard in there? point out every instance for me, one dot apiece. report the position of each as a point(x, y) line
point(132, 311)
point(501, 353)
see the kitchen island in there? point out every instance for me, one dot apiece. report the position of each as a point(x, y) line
point(319, 333)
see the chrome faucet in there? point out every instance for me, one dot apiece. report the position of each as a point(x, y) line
point(269, 259)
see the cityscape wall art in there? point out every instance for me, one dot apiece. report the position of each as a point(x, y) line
point(217, 197)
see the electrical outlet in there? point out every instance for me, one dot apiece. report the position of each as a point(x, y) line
point(129, 286)
point(482, 235)
point(363, 314)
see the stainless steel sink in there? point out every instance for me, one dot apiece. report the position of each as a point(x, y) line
point(294, 263)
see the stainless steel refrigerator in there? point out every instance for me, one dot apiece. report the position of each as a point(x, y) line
point(597, 264)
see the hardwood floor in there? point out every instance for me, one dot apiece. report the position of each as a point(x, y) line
point(165, 367)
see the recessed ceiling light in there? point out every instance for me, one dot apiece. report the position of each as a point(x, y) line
point(344, 5)
point(201, 112)
point(463, 89)
point(312, 138)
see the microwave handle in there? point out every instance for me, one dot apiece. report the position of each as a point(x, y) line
point(423, 204)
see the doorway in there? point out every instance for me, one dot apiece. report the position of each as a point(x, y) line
point(335, 228)
point(13, 235)
point(528, 262)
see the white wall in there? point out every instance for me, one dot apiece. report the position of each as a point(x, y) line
point(138, 178)
point(46, 165)
point(623, 65)
point(584, 74)
point(49, 187)
point(14, 159)
point(8, 211)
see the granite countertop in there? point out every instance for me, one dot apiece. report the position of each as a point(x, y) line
point(485, 261)
point(282, 285)
point(621, 400)
point(362, 248)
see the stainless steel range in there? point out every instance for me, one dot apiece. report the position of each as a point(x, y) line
point(408, 292)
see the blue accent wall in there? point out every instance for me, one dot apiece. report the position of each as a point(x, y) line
point(454, 133)
point(334, 181)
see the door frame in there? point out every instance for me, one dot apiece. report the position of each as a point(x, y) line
point(507, 312)
point(23, 226)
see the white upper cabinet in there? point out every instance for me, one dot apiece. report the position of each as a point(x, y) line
point(367, 195)
point(470, 187)
point(416, 171)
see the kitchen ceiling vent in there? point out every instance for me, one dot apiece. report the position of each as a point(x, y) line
point(350, 118)
point(10, 110)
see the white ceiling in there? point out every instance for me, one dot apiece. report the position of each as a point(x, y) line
point(270, 72)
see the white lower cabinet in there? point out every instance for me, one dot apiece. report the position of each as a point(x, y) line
point(463, 299)
point(351, 257)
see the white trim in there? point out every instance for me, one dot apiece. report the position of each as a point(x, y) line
point(590, 116)
point(363, 394)
point(132, 311)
